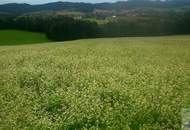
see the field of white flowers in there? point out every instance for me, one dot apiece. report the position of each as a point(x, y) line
point(119, 83)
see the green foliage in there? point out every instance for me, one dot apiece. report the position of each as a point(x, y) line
point(15, 37)
point(147, 25)
point(62, 28)
point(117, 83)
point(66, 28)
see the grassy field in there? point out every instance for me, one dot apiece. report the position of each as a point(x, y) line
point(119, 83)
point(14, 37)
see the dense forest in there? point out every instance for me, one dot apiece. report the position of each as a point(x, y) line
point(133, 18)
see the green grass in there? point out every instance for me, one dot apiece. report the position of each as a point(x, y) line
point(15, 37)
point(119, 83)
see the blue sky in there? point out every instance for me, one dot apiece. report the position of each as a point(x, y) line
point(46, 1)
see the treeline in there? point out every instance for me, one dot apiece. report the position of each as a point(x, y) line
point(58, 28)
point(6, 22)
point(65, 28)
point(148, 26)
point(61, 28)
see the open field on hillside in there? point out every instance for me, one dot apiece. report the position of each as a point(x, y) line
point(119, 83)
point(15, 37)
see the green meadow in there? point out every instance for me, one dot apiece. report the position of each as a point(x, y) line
point(15, 37)
point(107, 83)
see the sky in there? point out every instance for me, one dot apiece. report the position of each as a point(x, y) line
point(46, 1)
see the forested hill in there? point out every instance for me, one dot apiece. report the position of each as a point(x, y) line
point(14, 8)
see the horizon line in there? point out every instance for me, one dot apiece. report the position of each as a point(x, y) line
point(71, 2)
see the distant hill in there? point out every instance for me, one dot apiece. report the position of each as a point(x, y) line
point(15, 8)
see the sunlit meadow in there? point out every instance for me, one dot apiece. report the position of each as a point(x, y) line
point(114, 83)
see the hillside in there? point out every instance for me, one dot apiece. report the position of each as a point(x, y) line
point(14, 8)
point(15, 37)
point(108, 83)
